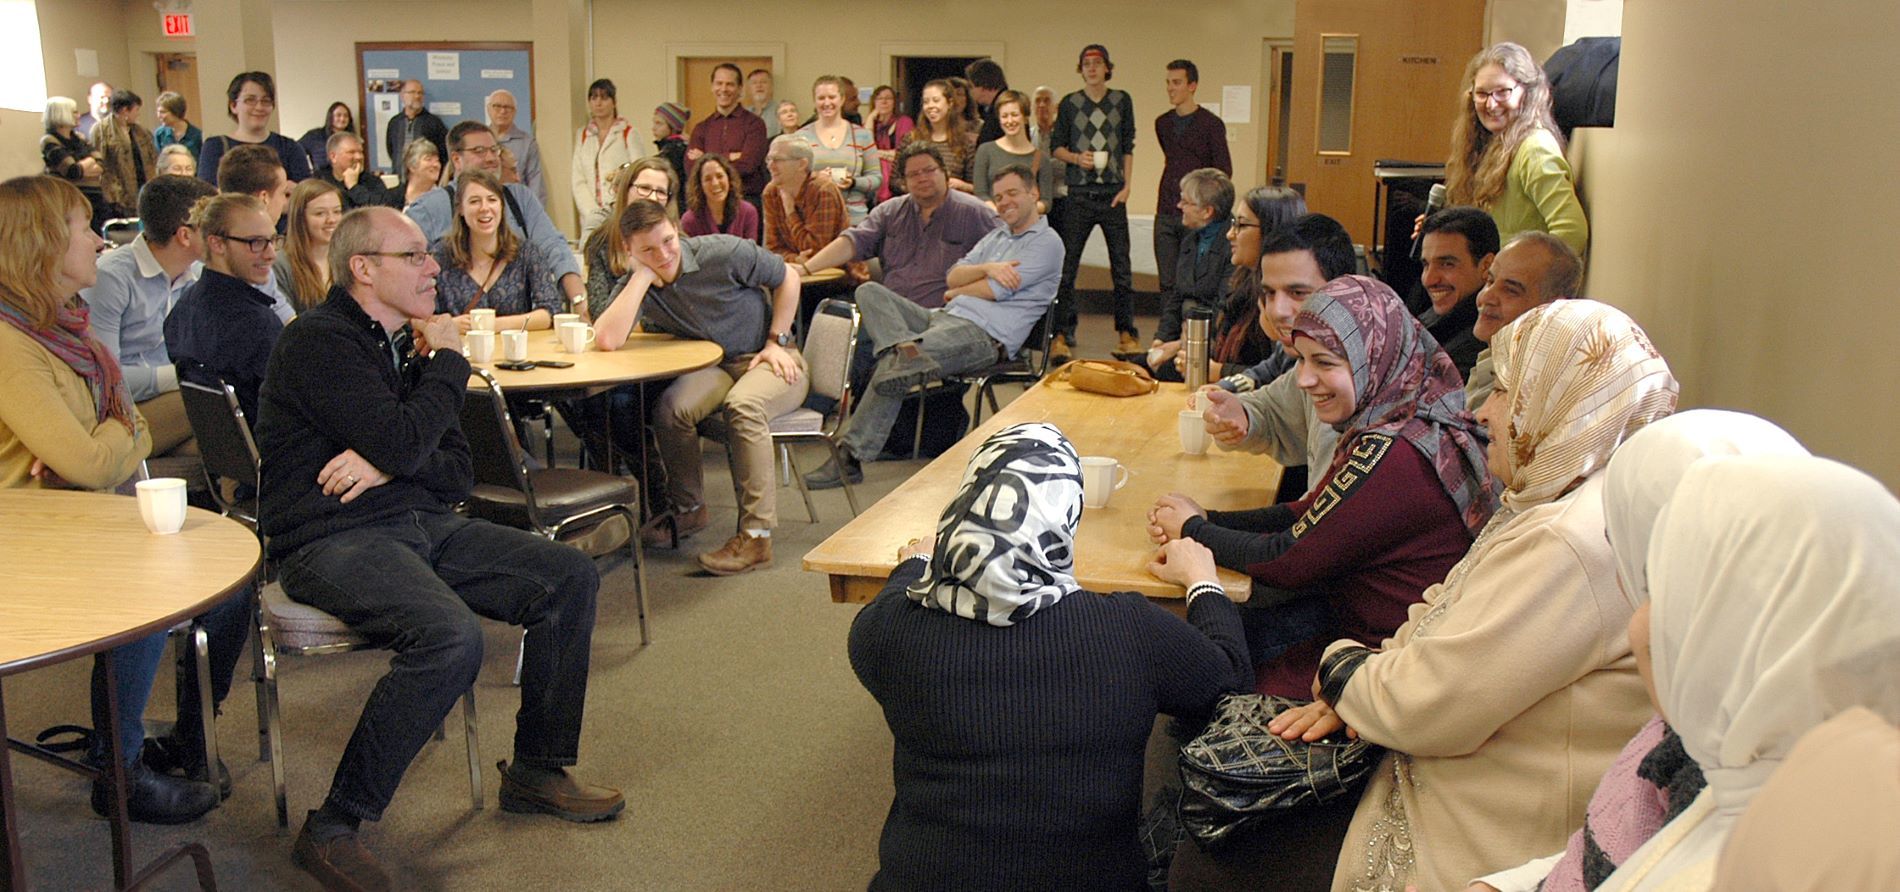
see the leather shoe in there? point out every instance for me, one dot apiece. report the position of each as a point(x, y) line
point(740, 554)
point(559, 795)
point(1126, 342)
point(169, 755)
point(153, 798)
point(830, 477)
point(340, 863)
point(688, 523)
point(1059, 351)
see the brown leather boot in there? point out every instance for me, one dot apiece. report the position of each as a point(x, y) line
point(1059, 352)
point(559, 795)
point(339, 863)
point(740, 554)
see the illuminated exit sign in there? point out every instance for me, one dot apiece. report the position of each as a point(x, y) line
point(177, 24)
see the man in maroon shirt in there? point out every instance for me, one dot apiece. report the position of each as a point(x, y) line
point(734, 132)
point(1191, 138)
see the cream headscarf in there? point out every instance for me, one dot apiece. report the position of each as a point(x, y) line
point(1776, 605)
point(1579, 377)
point(1645, 471)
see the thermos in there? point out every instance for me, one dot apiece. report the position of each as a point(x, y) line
point(1195, 323)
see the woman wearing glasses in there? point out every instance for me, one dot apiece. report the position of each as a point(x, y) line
point(1506, 154)
point(650, 178)
point(253, 97)
point(223, 326)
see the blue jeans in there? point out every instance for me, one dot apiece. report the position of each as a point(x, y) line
point(133, 667)
point(887, 319)
point(416, 584)
point(136, 666)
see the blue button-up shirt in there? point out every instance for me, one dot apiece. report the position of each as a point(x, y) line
point(1008, 318)
point(128, 306)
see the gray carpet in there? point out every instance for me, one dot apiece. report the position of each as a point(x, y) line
point(750, 756)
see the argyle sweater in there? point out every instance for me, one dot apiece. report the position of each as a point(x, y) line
point(1084, 125)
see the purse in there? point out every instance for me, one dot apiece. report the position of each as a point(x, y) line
point(1112, 377)
point(1237, 773)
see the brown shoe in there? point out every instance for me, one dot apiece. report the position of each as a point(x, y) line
point(740, 554)
point(1059, 351)
point(1127, 343)
point(340, 863)
point(689, 522)
point(563, 797)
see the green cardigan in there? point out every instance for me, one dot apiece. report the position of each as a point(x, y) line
point(1539, 195)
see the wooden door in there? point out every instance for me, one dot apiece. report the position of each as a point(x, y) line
point(696, 84)
point(1406, 66)
point(178, 72)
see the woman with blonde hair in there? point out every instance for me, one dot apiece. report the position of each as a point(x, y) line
point(316, 207)
point(944, 125)
point(842, 150)
point(1507, 155)
point(485, 264)
point(650, 178)
point(69, 421)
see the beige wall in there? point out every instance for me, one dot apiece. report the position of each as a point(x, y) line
point(1745, 211)
point(98, 25)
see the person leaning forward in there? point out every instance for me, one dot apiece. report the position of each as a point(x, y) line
point(363, 459)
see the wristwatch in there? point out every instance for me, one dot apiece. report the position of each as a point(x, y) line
point(782, 338)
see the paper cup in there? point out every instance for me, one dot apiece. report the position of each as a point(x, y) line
point(1193, 432)
point(1100, 480)
point(481, 345)
point(576, 337)
point(514, 345)
point(162, 504)
point(482, 320)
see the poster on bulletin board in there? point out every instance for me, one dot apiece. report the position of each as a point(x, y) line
point(456, 80)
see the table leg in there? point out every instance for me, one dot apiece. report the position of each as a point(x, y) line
point(115, 779)
point(10, 838)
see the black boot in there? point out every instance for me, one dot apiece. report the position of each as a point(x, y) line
point(170, 755)
point(153, 798)
point(835, 473)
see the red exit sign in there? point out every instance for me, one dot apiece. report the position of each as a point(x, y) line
point(177, 24)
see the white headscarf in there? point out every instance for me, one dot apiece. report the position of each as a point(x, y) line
point(1645, 471)
point(1776, 605)
point(1006, 544)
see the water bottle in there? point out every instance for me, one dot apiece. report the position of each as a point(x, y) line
point(1195, 323)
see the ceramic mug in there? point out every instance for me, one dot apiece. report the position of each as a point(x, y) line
point(514, 345)
point(481, 319)
point(481, 345)
point(1193, 432)
point(576, 337)
point(162, 504)
point(1101, 476)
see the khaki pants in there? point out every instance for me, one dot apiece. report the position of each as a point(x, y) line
point(751, 400)
point(171, 430)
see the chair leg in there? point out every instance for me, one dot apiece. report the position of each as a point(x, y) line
point(989, 390)
point(258, 670)
point(474, 749)
point(917, 439)
point(274, 732)
point(208, 713)
point(791, 463)
point(521, 653)
point(850, 495)
point(639, 572)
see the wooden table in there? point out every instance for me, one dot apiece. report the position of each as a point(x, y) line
point(1112, 547)
point(82, 575)
point(644, 357)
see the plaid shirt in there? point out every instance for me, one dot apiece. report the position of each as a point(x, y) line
point(818, 216)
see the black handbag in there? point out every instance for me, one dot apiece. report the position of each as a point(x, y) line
point(1237, 773)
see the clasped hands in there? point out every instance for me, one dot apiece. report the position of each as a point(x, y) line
point(349, 475)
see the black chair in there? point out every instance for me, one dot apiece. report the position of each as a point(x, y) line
point(1029, 366)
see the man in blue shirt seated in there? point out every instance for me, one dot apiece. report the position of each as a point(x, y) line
point(473, 147)
point(995, 295)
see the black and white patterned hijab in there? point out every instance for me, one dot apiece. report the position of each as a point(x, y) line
point(1006, 544)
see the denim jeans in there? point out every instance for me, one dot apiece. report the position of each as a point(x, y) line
point(887, 319)
point(416, 584)
point(1086, 208)
point(227, 627)
point(133, 667)
point(227, 630)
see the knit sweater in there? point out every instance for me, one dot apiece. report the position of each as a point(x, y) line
point(47, 412)
point(1019, 749)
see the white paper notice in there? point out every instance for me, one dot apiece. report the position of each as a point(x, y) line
point(445, 66)
point(497, 74)
point(382, 74)
point(87, 62)
point(449, 109)
point(1213, 108)
point(1238, 101)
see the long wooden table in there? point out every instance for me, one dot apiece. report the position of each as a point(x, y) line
point(1112, 547)
point(82, 574)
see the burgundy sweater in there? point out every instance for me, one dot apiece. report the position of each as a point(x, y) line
point(1191, 144)
point(1371, 540)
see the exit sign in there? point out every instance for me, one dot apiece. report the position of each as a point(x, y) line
point(177, 24)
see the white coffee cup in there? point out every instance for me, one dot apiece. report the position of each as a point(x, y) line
point(561, 319)
point(1100, 479)
point(1101, 160)
point(1199, 402)
point(576, 337)
point(481, 345)
point(481, 319)
point(1193, 432)
point(162, 504)
point(514, 345)
point(838, 174)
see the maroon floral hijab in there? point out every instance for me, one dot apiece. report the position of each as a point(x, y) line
point(1404, 385)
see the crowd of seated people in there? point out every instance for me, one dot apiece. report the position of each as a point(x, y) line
point(1584, 631)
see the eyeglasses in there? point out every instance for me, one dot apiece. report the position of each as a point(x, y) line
point(922, 172)
point(256, 244)
point(482, 151)
point(415, 258)
point(1502, 94)
point(257, 100)
point(655, 192)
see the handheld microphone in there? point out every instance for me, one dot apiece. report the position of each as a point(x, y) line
point(1434, 203)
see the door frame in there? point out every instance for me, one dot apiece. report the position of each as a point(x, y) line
point(1273, 141)
point(676, 53)
point(889, 53)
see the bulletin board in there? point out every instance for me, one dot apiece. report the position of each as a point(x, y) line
point(456, 80)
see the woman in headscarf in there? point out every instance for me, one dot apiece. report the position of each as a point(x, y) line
point(1652, 780)
point(1020, 705)
point(1511, 688)
point(1828, 817)
point(1405, 493)
point(1775, 606)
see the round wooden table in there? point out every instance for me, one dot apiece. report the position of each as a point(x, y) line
point(84, 575)
point(821, 276)
point(644, 357)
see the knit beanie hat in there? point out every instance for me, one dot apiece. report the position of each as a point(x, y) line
point(674, 114)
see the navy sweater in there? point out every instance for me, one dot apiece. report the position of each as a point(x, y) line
point(1019, 750)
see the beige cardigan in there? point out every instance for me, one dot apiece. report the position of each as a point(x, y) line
point(1503, 698)
point(46, 411)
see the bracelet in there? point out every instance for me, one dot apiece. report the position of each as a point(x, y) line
point(1336, 670)
point(1198, 589)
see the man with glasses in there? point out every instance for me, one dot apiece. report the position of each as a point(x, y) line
point(416, 122)
point(501, 121)
point(223, 327)
point(916, 237)
point(364, 460)
point(803, 213)
point(472, 146)
point(258, 171)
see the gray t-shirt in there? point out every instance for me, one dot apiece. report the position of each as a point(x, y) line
point(718, 295)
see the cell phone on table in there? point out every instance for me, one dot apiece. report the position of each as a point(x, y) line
point(512, 365)
point(552, 363)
